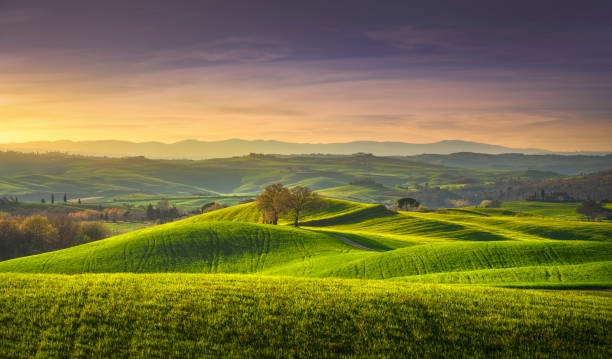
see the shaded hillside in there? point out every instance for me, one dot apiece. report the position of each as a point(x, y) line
point(564, 164)
point(31, 176)
point(596, 186)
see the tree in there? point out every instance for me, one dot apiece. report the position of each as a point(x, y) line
point(39, 233)
point(52, 198)
point(407, 203)
point(212, 206)
point(94, 231)
point(273, 202)
point(65, 198)
point(79, 201)
point(301, 199)
point(163, 205)
point(487, 203)
point(150, 212)
point(42, 200)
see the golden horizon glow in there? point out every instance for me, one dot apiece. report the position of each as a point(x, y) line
point(223, 102)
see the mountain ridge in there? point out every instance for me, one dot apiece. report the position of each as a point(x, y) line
point(195, 149)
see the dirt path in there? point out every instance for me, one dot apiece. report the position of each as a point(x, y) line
point(354, 244)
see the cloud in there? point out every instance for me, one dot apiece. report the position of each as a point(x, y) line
point(221, 51)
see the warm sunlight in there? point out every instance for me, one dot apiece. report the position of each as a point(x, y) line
point(305, 179)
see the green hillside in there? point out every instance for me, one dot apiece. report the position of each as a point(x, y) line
point(182, 315)
point(454, 246)
point(185, 246)
point(422, 284)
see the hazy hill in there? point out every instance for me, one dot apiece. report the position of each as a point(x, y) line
point(30, 176)
point(194, 149)
point(570, 165)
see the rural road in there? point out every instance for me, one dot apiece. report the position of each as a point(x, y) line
point(354, 244)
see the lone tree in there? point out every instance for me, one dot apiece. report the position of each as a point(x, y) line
point(407, 203)
point(273, 202)
point(301, 199)
point(65, 198)
point(52, 198)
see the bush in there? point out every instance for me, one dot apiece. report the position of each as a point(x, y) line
point(95, 231)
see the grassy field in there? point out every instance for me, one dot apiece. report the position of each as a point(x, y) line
point(563, 209)
point(183, 203)
point(433, 288)
point(410, 243)
point(181, 315)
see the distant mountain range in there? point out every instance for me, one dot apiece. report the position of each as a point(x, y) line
point(193, 149)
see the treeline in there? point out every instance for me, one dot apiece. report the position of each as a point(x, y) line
point(596, 187)
point(23, 236)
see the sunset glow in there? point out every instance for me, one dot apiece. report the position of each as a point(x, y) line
point(336, 79)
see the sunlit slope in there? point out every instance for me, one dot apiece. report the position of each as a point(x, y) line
point(469, 256)
point(448, 246)
point(468, 225)
point(330, 208)
point(182, 315)
point(184, 246)
point(594, 274)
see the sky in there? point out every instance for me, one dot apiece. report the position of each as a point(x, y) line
point(514, 73)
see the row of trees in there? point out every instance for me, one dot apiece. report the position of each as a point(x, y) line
point(42, 200)
point(277, 200)
point(22, 236)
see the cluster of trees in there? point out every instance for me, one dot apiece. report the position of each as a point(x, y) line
point(22, 236)
point(277, 200)
point(107, 214)
point(596, 186)
point(407, 204)
point(212, 206)
point(549, 196)
point(162, 212)
point(594, 210)
point(65, 199)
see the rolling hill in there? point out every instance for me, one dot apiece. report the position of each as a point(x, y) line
point(32, 176)
point(222, 284)
point(410, 244)
point(187, 315)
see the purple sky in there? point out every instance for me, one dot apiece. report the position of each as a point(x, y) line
point(521, 73)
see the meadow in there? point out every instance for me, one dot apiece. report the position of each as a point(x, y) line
point(186, 315)
point(446, 283)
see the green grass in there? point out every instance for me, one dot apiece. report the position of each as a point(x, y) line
point(183, 246)
point(561, 209)
point(184, 203)
point(412, 244)
point(181, 315)
point(121, 227)
point(597, 274)
point(277, 291)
